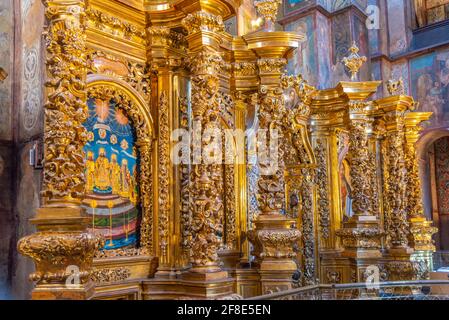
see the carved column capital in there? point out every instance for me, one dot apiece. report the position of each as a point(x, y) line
point(203, 29)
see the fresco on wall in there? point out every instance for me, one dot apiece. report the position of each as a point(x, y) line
point(430, 85)
point(293, 5)
point(111, 175)
point(6, 37)
point(341, 42)
point(324, 55)
point(304, 61)
point(396, 26)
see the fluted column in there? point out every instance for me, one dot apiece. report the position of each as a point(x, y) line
point(62, 249)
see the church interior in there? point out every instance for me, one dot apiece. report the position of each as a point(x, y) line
point(329, 165)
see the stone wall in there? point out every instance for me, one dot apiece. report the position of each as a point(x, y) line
point(21, 126)
point(6, 142)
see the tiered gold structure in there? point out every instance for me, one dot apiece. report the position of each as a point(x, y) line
point(169, 65)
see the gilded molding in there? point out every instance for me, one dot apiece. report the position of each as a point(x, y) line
point(322, 181)
point(103, 276)
point(114, 26)
point(360, 238)
point(137, 75)
point(163, 174)
point(186, 215)
point(271, 65)
point(245, 69)
point(230, 207)
point(203, 21)
point(164, 36)
point(307, 227)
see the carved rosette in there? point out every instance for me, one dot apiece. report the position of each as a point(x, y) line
point(145, 145)
point(55, 253)
point(65, 109)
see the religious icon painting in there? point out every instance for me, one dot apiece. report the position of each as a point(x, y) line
point(112, 193)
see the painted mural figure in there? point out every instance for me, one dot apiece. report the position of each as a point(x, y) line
point(444, 78)
point(436, 100)
point(430, 84)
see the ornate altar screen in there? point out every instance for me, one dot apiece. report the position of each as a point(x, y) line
point(111, 174)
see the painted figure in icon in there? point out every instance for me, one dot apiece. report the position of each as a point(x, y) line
point(102, 181)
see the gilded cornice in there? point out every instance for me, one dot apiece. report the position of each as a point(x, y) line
point(115, 26)
point(171, 13)
point(358, 90)
point(273, 44)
